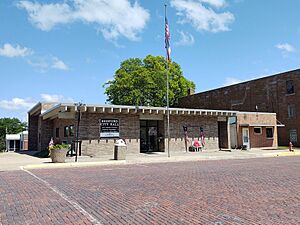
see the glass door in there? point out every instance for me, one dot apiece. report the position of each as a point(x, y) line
point(149, 136)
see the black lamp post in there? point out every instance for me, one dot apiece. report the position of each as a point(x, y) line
point(77, 108)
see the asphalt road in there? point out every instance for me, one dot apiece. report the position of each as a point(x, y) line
point(250, 191)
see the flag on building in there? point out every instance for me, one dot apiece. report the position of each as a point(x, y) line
point(167, 40)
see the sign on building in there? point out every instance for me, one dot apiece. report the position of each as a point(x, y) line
point(109, 128)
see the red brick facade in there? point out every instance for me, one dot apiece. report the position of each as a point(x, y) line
point(278, 93)
point(261, 122)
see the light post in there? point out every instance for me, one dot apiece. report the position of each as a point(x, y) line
point(77, 109)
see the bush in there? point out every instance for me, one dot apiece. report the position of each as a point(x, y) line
point(60, 146)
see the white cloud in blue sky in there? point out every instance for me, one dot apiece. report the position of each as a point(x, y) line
point(114, 17)
point(43, 63)
point(286, 47)
point(10, 51)
point(202, 16)
point(185, 39)
point(215, 3)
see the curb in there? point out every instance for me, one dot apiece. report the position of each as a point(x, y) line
point(73, 164)
point(285, 154)
point(165, 160)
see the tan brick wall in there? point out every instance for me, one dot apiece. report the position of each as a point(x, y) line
point(209, 124)
point(93, 145)
point(90, 133)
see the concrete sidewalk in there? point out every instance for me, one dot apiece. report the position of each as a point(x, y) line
point(16, 161)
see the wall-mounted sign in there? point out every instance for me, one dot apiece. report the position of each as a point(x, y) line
point(109, 128)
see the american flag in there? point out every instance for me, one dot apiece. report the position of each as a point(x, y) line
point(167, 40)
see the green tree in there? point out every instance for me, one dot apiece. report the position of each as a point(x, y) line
point(143, 82)
point(12, 126)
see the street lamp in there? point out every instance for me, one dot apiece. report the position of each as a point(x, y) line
point(77, 109)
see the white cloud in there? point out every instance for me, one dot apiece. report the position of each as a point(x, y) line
point(10, 51)
point(231, 81)
point(286, 47)
point(58, 64)
point(55, 98)
point(44, 63)
point(215, 3)
point(186, 39)
point(203, 17)
point(114, 17)
point(17, 104)
point(51, 98)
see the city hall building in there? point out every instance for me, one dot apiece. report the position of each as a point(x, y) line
point(144, 129)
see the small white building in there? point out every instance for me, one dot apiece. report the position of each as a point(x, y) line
point(17, 142)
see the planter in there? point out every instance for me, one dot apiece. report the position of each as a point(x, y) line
point(59, 155)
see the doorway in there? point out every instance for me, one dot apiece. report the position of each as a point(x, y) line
point(149, 136)
point(223, 135)
point(246, 140)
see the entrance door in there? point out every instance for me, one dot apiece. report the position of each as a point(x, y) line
point(246, 140)
point(149, 136)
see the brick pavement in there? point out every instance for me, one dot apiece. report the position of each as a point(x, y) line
point(252, 191)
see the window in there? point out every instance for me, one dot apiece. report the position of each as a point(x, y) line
point(257, 130)
point(71, 130)
point(57, 132)
point(66, 131)
point(293, 135)
point(269, 131)
point(289, 87)
point(291, 111)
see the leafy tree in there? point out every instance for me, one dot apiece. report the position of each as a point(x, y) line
point(13, 126)
point(143, 82)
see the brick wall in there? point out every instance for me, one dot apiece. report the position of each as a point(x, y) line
point(193, 123)
point(90, 133)
point(130, 131)
point(258, 140)
point(45, 131)
point(33, 132)
point(268, 94)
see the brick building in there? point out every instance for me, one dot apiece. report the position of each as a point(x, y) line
point(277, 93)
point(143, 128)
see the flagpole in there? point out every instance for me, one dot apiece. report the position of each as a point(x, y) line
point(168, 111)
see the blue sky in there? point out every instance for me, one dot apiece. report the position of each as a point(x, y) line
point(65, 50)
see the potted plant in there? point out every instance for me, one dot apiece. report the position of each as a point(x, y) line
point(58, 152)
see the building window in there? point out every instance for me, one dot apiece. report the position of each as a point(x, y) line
point(66, 131)
point(257, 130)
point(289, 87)
point(57, 132)
point(269, 131)
point(293, 135)
point(71, 130)
point(291, 111)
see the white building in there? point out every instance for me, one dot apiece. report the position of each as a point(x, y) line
point(17, 142)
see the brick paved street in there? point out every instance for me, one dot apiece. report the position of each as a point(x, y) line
point(252, 191)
